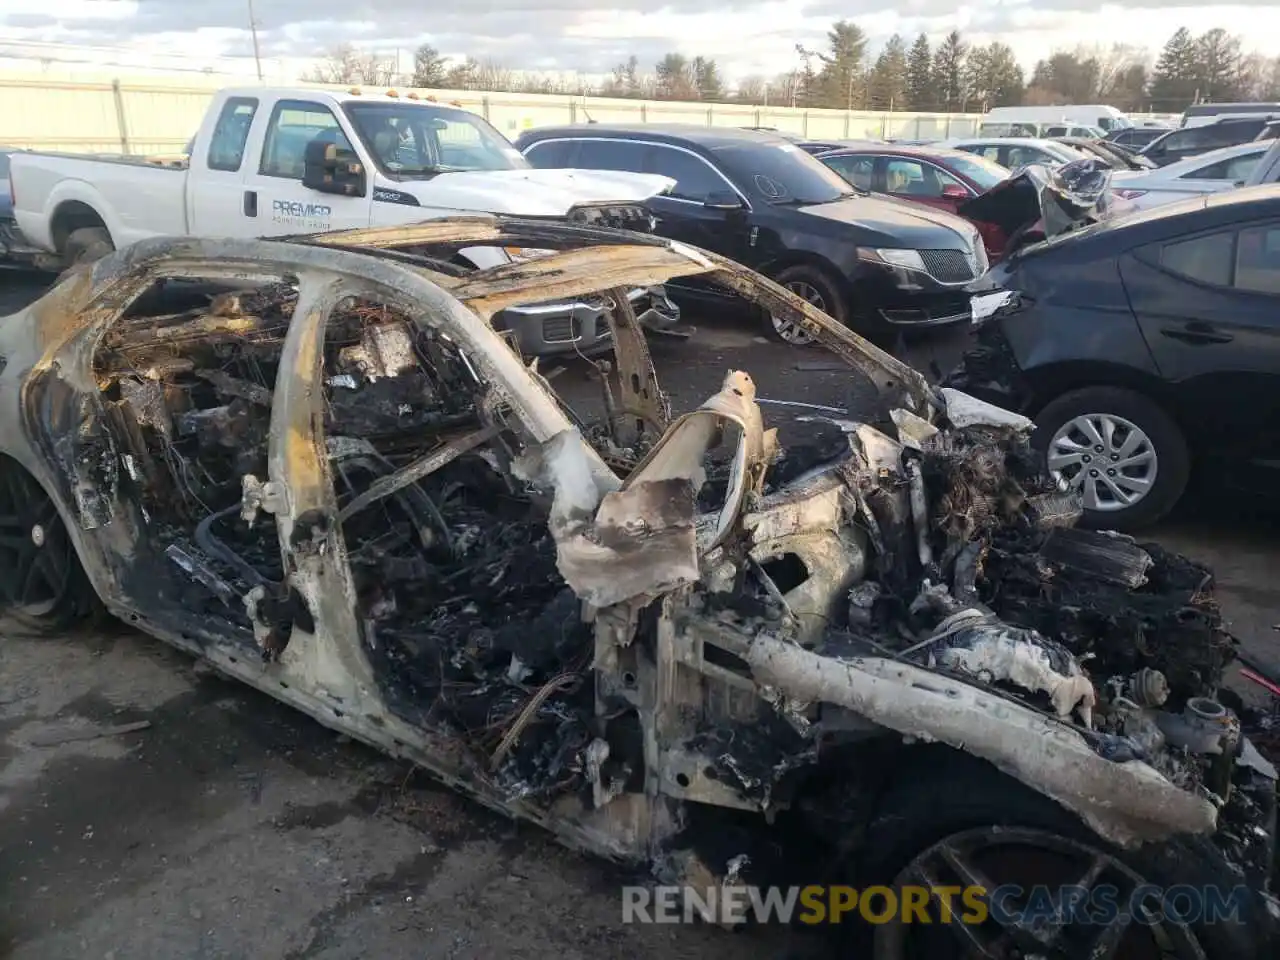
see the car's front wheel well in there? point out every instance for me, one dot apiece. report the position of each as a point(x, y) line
point(73, 215)
point(1048, 383)
point(800, 258)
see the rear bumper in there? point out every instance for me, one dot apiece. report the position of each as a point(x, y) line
point(551, 329)
point(15, 249)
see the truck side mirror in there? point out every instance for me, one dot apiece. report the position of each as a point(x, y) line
point(331, 168)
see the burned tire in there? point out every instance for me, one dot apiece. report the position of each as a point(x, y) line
point(813, 286)
point(952, 820)
point(1126, 456)
point(43, 587)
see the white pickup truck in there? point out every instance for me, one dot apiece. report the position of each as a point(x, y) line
point(280, 161)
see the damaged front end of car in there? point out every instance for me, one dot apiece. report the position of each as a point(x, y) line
point(336, 481)
point(1039, 203)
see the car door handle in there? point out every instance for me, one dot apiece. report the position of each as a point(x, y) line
point(1196, 333)
point(251, 203)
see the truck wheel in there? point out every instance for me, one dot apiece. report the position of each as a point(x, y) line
point(43, 587)
point(87, 245)
point(813, 286)
point(957, 821)
point(1121, 451)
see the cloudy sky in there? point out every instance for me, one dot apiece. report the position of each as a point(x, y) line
point(744, 36)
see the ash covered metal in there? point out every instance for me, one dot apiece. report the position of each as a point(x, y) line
point(318, 465)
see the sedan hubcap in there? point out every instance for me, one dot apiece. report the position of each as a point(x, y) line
point(790, 331)
point(1107, 459)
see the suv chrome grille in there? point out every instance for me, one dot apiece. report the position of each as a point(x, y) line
point(948, 266)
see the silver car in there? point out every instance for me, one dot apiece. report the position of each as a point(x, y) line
point(1198, 176)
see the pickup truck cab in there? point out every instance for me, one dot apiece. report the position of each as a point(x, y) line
point(276, 162)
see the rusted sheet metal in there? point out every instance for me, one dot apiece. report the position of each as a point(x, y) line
point(573, 273)
point(642, 395)
point(496, 230)
point(452, 230)
point(311, 542)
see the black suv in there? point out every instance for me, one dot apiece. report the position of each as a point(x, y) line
point(876, 264)
point(1140, 345)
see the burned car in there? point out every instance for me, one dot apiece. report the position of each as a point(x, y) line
point(315, 464)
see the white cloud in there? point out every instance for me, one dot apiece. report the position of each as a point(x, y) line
point(744, 36)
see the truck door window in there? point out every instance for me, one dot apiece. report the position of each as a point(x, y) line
point(294, 124)
point(231, 133)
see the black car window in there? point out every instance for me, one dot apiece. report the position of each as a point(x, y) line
point(550, 154)
point(231, 133)
point(611, 155)
point(1192, 138)
point(1206, 259)
point(857, 169)
point(695, 180)
point(1258, 260)
point(1231, 132)
point(1056, 132)
point(781, 173)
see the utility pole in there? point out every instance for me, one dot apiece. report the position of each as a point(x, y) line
point(253, 28)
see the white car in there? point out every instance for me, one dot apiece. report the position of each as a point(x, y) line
point(1205, 173)
point(1017, 152)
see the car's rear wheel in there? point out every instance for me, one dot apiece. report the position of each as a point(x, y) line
point(43, 587)
point(1126, 457)
point(814, 287)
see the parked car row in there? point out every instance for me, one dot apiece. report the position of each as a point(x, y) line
point(872, 263)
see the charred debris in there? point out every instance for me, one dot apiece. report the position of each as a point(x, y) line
point(975, 569)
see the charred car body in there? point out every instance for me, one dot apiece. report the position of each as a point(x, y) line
point(337, 482)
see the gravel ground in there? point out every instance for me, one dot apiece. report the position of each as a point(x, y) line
point(232, 827)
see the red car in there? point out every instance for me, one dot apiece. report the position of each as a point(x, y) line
point(934, 176)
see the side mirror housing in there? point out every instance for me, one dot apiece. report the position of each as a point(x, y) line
point(954, 191)
point(723, 200)
point(330, 168)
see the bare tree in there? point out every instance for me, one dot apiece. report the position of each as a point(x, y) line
point(751, 90)
point(346, 64)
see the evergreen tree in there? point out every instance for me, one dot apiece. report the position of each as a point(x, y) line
point(841, 81)
point(429, 68)
point(948, 73)
point(1173, 83)
point(888, 84)
point(920, 93)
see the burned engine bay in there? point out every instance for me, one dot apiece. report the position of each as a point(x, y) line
point(704, 627)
